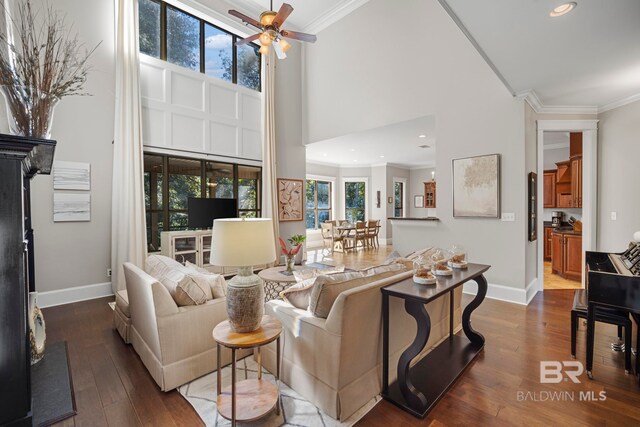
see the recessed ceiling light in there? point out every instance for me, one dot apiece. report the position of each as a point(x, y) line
point(382, 157)
point(324, 154)
point(422, 136)
point(354, 161)
point(353, 149)
point(563, 9)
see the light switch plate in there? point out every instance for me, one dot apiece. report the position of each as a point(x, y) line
point(508, 216)
point(614, 216)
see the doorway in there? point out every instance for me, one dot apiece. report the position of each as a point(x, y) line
point(571, 197)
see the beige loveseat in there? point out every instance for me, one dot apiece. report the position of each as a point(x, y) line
point(174, 343)
point(336, 363)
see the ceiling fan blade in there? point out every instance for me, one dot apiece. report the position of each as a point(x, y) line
point(248, 39)
point(311, 38)
point(283, 14)
point(245, 18)
point(277, 48)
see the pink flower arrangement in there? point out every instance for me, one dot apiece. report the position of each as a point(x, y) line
point(291, 252)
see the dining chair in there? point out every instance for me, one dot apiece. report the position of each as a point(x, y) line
point(372, 233)
point(360, 235)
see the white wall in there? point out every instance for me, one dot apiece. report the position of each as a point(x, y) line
point(428, 68)
point(79, 253)
point(618, 189)
point(417, 178)
point(553, 156)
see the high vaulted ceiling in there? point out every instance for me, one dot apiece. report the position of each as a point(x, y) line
point(398, 144)
point(308, 15)
point(588, 57)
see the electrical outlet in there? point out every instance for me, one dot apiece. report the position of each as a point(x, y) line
point(614, 216)
point(508, 216)
point(108, 272)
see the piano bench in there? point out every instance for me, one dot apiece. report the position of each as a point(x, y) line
point(611, 316)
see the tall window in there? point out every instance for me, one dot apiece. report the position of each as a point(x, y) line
point(249, 191)
point(398, 199)
point(318, 196)
point(173, 35)
point(354, 201)
point(170, 181)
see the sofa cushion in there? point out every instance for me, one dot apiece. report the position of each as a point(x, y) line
point(298, 295)
point(185, 286)
point(373, 271)
point(309, 273)
point(214, 281)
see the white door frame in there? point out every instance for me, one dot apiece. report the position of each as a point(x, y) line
point(589, 129)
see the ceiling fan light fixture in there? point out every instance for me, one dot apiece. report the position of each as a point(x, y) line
point(267, 17)
point(264, 50)
point(563, 9)
point(265, 39)
point(285, 45)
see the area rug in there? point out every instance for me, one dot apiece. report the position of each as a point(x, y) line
point(296, 411)
point(51, 387)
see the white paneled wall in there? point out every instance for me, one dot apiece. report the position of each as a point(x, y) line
point(188, 111)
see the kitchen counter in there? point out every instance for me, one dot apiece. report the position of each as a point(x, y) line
point(566, 230)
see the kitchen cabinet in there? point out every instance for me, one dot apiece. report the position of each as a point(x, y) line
point(576, 181)
point(563, 184)
point(566, 255)
point(547, 243)
point(549, 189)
point(430, 194)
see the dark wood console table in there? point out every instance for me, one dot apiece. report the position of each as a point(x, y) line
point(419, 388)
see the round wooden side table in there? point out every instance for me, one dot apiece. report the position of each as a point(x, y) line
point(250, 399)
point(275, 281)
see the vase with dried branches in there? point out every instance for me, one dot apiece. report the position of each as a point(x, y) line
point(40, 63)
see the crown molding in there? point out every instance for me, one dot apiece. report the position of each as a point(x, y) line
point(333, 15)
point(532, 99)
point(619, 103)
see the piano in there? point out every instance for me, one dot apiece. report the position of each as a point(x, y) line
point(612, 280)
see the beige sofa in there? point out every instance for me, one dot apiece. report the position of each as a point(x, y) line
point(336, 363)
point(174, 343)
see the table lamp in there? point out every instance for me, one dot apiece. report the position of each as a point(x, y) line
point(243, 243)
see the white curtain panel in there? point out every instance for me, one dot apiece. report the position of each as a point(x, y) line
point(128, 225)
point(269, 169)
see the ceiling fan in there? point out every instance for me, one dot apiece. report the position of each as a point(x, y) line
point(272, 33)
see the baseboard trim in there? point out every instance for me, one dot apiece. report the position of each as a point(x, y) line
point(505, 293)
point(76, 294)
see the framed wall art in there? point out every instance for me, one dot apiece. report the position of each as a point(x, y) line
point(290, 199)
point(476, 187)
point(418, 201)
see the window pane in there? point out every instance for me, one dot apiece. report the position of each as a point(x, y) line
point(310, 219)
point(310, 194)
point(249, 187)
point(219, 180)
point(153, 181)
point(398, 195)
point(249, 214)
point(178, 220)
point(324, 195)
point(183, 39)
point(323, 216)
point(184, 182)
point(218, 53)
point(149, 22)
point(354, 194)
point(155, 226)
point(249, 66)
point(360, 215)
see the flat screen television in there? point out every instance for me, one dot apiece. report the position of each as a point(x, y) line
point(202, 211)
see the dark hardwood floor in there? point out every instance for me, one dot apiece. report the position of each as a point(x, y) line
point(113, 388)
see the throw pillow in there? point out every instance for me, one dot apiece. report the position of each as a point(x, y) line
point(394, 267)
point(298, 295)
point(186, 286)
point(213, 281)
point(326, 289)
point(392, 257)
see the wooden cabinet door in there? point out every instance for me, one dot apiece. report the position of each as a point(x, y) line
point(564, 201)
point(573, 257)
point(549, 189)
point(547, 243)
point(576, 181)
point(557, 253)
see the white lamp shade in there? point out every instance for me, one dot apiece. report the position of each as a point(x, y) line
point(242, 242)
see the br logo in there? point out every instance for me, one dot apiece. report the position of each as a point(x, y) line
point(553, 372)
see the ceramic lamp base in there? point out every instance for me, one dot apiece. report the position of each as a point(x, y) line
point(245, 301)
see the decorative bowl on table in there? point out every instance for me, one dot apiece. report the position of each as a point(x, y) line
point(458, 257)
point(440, 260)
point(422, 271)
